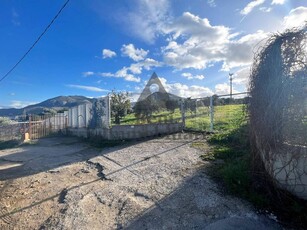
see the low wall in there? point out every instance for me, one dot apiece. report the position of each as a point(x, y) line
point(126, 132)
point(288, 166)
point(12, 131)
point(290, 169)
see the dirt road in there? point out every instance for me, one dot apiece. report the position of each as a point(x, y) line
point(61, 183)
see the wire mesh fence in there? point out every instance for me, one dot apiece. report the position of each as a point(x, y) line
point(156, 108)
point(216, 113)
point(230, 111)
point(197, 114)
point(213, 113)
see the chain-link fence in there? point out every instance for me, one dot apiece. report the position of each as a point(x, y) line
point(213, 113)
point(216, 113)
point(156, 108)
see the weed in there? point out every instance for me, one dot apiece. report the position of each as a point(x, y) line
point(231, 148)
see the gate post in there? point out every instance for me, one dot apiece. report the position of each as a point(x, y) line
point(108, 112)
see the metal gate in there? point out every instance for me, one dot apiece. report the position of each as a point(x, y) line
point(43, 126)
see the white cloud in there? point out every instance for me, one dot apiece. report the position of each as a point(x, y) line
point(130, 77)
point(108, 74)
point(278, 2)
point(147, 64)
point(88, 88)
point(122, 73)
point(203, 43)
point(106, 53)
point(240, 52)
point(183, 90)
point(88, 73)
point(134, 53)
point(190, 76)
point(241, 77)
point(15, 18)
point(147, 18)
point(265, 9)
point(189, 24)
point(197, 44)
point(135, 68)
point(296, 18)
point(211, 3)
point(21, 104)
point(250, 6)
point(224, 89)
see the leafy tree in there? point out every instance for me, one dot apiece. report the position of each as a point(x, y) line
point(120, 105)
point(191, 105)
point(171, 105)
point(145, 108)
point(5, 120)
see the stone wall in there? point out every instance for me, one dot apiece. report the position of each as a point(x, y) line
point(12, 131)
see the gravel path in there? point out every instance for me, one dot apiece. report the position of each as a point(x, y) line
point(60, 183)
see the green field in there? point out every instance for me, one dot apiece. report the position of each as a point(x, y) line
point(225, 117)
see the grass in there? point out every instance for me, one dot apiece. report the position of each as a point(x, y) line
point(231, 165)
point(161, 116)
point(231, 160)
point(224, 116)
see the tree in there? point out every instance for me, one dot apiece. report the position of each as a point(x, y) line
point(120, 104)
point(5, 120)
point(190, 105)
point(171, 105)
point(145, 108)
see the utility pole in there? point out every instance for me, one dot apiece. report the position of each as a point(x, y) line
point(230, 80)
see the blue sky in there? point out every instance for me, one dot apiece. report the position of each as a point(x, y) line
point(97, 46)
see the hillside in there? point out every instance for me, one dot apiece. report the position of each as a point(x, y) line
point(56, 104)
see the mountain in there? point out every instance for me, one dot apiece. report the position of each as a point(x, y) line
point(66, 102)
point(62, 101)
point(53, 104)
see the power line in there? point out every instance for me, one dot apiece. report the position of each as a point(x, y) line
point(37, 40)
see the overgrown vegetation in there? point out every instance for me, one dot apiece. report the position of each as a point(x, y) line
point(278, 85)
point(231, 163)
point(5, 121)
point(278, 122)
point(120, 105)
point(231, 166)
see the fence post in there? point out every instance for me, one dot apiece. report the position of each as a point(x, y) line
point(211, 114)
point(30, 128)
point(109, 111)
point(183, 112)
